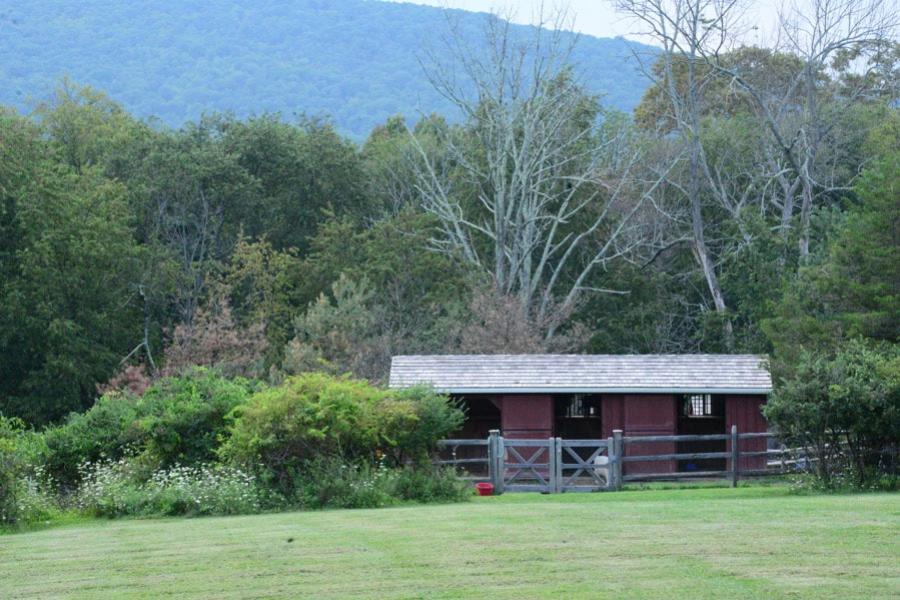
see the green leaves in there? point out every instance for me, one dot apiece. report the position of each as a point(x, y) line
point(66, 297)
point(849, 401)
point(284, 430)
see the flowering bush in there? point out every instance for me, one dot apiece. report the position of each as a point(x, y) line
point(35, 498)
point(178, 420)
point(24, 488)
point(116, 488)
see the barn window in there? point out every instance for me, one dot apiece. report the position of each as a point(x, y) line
point(702, 405)
point(577, 406)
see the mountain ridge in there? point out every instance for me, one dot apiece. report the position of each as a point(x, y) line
point(355, 61)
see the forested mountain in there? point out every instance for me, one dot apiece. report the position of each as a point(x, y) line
point(356, 61)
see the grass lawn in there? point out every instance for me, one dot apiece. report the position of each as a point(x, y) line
point(754, 542)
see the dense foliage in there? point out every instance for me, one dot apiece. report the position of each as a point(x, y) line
point(199, 444)
point(836, 334)
point(313, 418)
point(178, 420)
point(355, 60)
point(9, 469)
point(845, 410)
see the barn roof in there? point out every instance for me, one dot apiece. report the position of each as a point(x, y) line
point(584, 373)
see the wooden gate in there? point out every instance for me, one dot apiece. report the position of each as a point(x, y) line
point(583, 465)
point(527, 465)
point(550, 465)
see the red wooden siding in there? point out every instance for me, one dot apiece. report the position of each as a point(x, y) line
point(527, 416)
point(612, 414)
point(650, 415)
point(746, 413)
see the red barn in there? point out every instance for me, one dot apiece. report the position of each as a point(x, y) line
point(533, 396)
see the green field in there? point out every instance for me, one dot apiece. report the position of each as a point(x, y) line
point(755, 542)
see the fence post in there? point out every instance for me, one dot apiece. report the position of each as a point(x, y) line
point(496, 460)
point(494, 471)
point(735, 455)
point(616, 452)
point(611, 465)
point(556, 447)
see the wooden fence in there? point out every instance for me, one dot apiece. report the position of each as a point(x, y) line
point(554, 465)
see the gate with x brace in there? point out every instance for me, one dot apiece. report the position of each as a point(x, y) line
point(554, 465)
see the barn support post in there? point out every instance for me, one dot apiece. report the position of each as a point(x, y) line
point(735, 455)
point(616, 451)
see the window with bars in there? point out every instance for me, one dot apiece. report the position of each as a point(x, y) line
point(578, 406)
point(702, 405)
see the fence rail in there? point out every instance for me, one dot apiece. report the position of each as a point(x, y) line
point(555, 464)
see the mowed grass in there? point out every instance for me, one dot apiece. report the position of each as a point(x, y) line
point(753, 542)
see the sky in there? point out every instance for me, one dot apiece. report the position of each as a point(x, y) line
point(596, 17)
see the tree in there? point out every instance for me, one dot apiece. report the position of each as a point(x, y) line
point(67, 304)
point(263, 287)
point(417, 294)
point(855, 290)
point(689, 30)
point(799, 111)
point(302, 171)
point(529, 190)
point(87, 128)
point(498, 324)
point(213, 339)
point(337, 334)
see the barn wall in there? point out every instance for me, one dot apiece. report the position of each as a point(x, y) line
point(612, 414)
point(527, 416)
point(531, 416)
point(650, 414)
point(746, 413)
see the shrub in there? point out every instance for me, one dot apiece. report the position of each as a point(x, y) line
point(36, 500)
point(10, 468)
point(24, 488)
point(436, 417)
point(330, 483)
point(177, 420)
point(845, 409)
point(114, 489)
point(181, 419)
point(429, 485)
point(308, 417)
point(333, 484)
point(282, 430)
point(103, 432)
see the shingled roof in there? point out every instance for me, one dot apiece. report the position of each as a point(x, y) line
point(584, 373)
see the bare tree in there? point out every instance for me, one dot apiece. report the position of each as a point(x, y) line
point(689, 31)
point(793, 105)
point(499, 324)
point(188, 225)
point(529, 189)
point(815, 33)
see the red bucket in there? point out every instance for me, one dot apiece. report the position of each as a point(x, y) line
point(485, 489)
